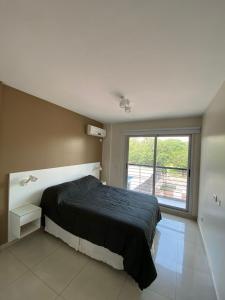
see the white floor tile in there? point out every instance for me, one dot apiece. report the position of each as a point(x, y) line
point(10, 268)
point(192, 256)
point(34, 248)
point(165, 250)
point(150, 295)
point(58, 269)
point(192, 233)
point(96, 281)
point(165, 283)
point(27, 287)
point(193, 285)
point(180, 228)
point(179, 255)
point(132, 292)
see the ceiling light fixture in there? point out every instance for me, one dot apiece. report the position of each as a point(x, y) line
point(125, 104)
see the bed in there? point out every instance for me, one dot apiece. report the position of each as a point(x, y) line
point(118, 223)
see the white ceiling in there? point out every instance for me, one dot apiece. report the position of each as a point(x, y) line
point(166, 56)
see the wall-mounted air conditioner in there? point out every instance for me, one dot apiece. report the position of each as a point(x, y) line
point(95, 131)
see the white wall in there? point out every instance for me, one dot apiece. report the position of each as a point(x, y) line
point(212, 181)
point(114, 149)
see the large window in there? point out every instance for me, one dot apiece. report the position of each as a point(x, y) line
point(159, 165)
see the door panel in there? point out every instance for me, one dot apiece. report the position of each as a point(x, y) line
point(172, 165)
point(140, 164)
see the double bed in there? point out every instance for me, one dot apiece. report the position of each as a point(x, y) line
point(110, 224)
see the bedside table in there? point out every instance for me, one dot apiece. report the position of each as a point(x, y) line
point(25, 219)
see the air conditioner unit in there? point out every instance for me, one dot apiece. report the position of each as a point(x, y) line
point(95, 131)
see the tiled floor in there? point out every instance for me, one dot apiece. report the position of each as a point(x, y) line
point(172, 202)
point(40, 267)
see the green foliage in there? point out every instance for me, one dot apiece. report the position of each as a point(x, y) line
point(141, 150)
point(170, 152)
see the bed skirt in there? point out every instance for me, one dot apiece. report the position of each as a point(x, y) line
point(84, 246)
point(94, 251)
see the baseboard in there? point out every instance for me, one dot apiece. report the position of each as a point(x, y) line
point(208, 258)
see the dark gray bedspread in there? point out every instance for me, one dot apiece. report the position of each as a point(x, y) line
point(120, 220)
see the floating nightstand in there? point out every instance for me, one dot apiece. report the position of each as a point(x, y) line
point(25, 219)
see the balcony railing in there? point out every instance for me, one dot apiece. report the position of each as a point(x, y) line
point(170, 183)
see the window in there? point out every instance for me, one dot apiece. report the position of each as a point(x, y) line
point(160, 165)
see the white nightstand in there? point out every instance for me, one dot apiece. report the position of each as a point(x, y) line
point(25, 219)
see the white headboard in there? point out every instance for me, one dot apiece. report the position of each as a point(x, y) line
point(32, 192)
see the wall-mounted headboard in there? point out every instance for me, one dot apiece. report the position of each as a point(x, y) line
point(32, 191)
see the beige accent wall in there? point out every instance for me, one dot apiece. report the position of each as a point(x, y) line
point(2, 202)
point(114, 150)
point(212, 181)
point(36, 134)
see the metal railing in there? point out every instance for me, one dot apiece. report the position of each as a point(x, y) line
point(170, 182)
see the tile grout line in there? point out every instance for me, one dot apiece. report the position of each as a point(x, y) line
point(76, 275)
point(123, 285)
point(45, 283)
point(29, 267)
point(57, 294)
point(18, 278)
point(18, 260)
